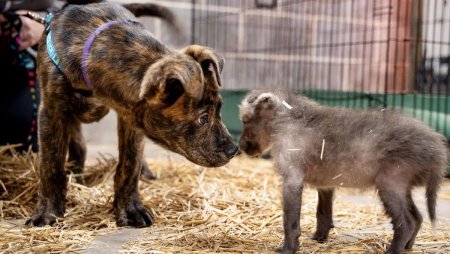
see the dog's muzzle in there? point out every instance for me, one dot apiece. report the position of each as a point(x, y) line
point(231, 151)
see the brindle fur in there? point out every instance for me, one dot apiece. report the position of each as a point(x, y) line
point(362, 149)
point(172, 97)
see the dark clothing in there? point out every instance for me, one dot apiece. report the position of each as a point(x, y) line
point(19, 90)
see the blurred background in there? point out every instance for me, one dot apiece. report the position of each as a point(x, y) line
point(350, 53)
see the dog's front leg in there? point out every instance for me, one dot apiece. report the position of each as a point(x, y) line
point(53, 144)
point(128, 207)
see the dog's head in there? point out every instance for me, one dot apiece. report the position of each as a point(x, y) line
point(180, 106)
point(257, 112)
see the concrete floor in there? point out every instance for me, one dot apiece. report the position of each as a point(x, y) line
point(112, 243)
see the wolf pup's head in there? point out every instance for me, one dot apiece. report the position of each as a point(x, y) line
point(257, 112)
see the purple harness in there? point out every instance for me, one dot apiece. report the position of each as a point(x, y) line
point(88, 45)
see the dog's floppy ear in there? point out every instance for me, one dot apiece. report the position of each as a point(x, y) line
point(167, 79)
point(209, 60)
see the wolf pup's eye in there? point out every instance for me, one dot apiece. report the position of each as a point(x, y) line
point(203, 119)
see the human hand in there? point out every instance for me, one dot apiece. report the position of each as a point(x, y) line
point(30, 32)
point(2, 18)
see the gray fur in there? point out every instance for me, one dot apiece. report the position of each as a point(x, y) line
point(361, 149)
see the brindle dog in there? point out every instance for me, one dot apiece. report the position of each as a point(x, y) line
point(77, 145)
point(172, 97)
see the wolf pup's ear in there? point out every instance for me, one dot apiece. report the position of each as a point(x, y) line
point(168, 79)
point(265, 101)
point(210, 61)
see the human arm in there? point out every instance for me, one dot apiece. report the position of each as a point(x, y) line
point(30, 32)
point(32, 5)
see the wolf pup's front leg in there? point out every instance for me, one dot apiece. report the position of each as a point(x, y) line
point(292, 202)
point(128, 207)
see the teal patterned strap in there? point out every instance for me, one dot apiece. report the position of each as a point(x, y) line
point(51, 50)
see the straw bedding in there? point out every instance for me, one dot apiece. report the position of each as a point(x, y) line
point(234, 209)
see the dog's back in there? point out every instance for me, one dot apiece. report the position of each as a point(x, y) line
point(121, 48)
point(72, 27)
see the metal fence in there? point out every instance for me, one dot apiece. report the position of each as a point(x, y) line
point(353, 53)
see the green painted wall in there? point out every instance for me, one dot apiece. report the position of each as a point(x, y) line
point(434, 110)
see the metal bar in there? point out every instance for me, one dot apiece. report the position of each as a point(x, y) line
point(193, 24)
point(386, 77)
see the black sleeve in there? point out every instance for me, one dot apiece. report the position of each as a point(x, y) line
point(31, 5)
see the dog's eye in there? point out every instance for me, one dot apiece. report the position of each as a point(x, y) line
point(203, 119)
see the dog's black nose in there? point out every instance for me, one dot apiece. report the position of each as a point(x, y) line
point(231, 151)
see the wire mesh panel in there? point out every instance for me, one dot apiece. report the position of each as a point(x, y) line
point(354, 53)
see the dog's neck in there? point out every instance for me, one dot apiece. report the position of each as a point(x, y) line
point(87, 47)
point(117, 78)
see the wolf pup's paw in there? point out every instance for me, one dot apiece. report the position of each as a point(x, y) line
point(320, 236)
point(285, 250)
point(45, 214)
point(131, 212)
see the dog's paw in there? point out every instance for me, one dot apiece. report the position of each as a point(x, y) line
point(146, 172)
point(45, 214)
point(133, 213)
point(41, 219)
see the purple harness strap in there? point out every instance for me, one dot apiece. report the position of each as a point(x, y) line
point(88, 45)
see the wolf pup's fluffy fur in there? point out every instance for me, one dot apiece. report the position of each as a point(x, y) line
point(335, 147)
point(171, 97)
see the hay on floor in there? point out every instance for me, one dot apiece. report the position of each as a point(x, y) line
point(234, 209)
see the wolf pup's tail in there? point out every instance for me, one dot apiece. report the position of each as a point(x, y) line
point(431, 189)
point(434, 180)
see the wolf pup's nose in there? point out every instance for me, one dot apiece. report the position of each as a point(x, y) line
point(231, 151)
point(245, 146)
